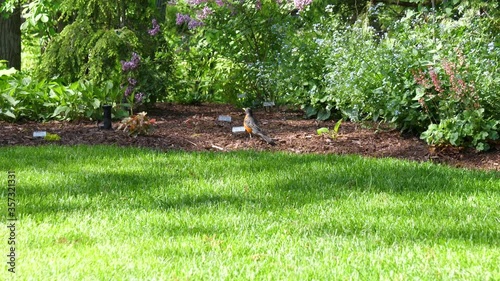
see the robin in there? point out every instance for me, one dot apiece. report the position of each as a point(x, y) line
point(251, 126)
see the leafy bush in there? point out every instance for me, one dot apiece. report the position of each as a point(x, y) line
point(239, 48)
point(98, 36)
point(25, 98)
point(433, 73)
point(468, 127)
point(199, 74)
point(82, 52)
point(418, 76)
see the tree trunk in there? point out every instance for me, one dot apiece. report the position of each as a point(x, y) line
point(10, 38)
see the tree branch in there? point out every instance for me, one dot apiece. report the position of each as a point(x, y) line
point(405, 4)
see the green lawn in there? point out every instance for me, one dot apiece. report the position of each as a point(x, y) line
point(110, 213)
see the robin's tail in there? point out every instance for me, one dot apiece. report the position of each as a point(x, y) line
point(266, 138)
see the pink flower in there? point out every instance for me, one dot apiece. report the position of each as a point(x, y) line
point(435, 80)
point(301, 4)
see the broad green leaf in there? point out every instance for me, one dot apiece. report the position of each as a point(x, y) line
point(96, 103)
point(60, 109)
point(323, 114)
point(454, 138)
point(323, 130)
point(108, 85)
point(8, 72)
point(44, 18)
point(310, 111)
point(10, 99)
point(8, 113)
point(420, 93)
point(337, 126)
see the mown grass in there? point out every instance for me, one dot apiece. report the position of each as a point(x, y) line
point(110, 213)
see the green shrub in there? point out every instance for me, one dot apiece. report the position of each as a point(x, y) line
point(25, 98)
point(238, 49)
point(467, 128)
point(418, 76)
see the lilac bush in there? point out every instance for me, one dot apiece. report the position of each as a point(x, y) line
point(201, 9)
point(246, 35)
point(196, 2)
point(145, 75)
point(129, 70)
point(192, 23)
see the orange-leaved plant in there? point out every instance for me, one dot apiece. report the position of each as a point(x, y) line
point(138, 124)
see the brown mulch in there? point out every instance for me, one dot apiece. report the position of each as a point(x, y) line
point(195, 128)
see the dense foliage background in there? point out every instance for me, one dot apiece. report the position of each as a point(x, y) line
point(428, 67)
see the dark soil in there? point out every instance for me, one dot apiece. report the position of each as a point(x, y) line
point(195, 128)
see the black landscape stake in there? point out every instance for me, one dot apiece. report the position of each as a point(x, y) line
point(107, 117)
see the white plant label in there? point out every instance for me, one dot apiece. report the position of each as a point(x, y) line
point(39, 134)
point(224, 118)
point(238, 129)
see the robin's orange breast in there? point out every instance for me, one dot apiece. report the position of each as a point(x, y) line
point(247, 128)
point(247, 124)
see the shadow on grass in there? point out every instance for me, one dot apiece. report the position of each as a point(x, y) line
point(204, 182)
point(296, 177)
point(397, 234)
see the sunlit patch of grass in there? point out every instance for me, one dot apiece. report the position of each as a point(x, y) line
point(111, 213)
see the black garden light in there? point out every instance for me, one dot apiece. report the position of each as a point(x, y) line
point(107, 117)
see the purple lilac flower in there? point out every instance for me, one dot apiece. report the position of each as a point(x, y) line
point(301, 4)
point(182, 18)
point(192, 24)
point(132, 81)
point(196, 2)
point(139, 97)
point(156, 28)
point(219, 3)
point(126, 65)
point(132, 64)
point(204, 13)
point(128, 91)
point(135, 60)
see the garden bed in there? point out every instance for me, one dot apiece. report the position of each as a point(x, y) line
point(195, 128)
